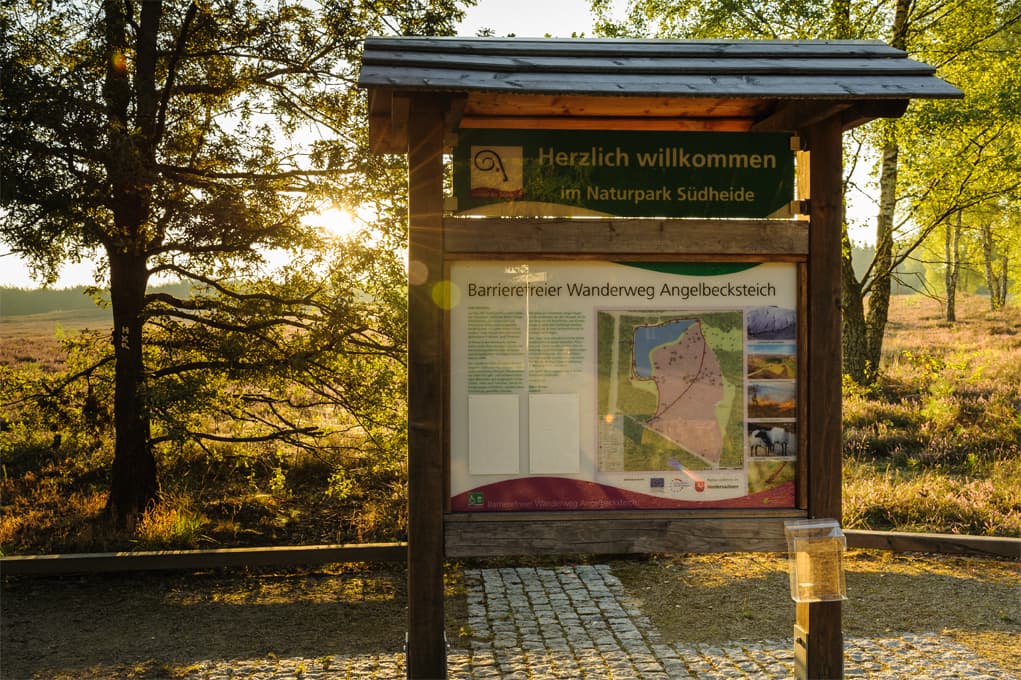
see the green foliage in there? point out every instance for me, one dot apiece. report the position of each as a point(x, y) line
point(960, 164)
point(188, 140)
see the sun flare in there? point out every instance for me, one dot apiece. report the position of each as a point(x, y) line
point(336, 222)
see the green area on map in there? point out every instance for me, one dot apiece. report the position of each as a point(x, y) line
point(671, 390)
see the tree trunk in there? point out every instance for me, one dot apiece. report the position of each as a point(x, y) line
point(130, 161)
point(841, 27)
point(1001, 294)
point(952, 253)
point(863, 339)
point(133, 481)
point(882, 265)
point(853, 316)
point(996, 281)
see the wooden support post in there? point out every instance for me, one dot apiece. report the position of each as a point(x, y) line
point(426, 648)
point(819, 647)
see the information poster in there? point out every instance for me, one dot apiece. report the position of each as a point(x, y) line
point(608, 386)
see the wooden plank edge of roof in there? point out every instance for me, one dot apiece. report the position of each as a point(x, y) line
point(669, 64)
point(575, 48)
point(910, 87)
point(445, 43)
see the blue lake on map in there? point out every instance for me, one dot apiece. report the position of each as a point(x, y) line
point(648, 338)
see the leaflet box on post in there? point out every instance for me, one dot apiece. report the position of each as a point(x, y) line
point(816, 550)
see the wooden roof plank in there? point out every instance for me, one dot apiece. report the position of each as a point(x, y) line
point(822, 49)
point(614, 123)
point(770, 86)
point(529, 104)
point(632, 65)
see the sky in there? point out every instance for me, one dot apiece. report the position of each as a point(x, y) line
point(529, 18)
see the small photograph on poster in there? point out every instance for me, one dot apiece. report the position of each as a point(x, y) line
point(772, 361)
point(774, 439)
point(772, 399)
point(772, 323)
point(770, 474)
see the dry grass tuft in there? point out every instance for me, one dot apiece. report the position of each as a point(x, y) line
point(172, 524)
point(933, 501)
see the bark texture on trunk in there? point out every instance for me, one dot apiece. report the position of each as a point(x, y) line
point(131, 103)
point(863, 335)
point(882, 265)
point(853, 317)
point(996, 270)
point(133, 481)
point(952, 254)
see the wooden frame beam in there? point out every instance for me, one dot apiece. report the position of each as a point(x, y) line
point(531, 236)
point(427, 378)
point(731, 124)
point(608, 533)
point(818, 648)
point(798, 115)
point(863, 112)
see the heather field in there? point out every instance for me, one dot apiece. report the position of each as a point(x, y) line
point(934, 446)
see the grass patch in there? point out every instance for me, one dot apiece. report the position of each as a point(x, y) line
point(172, 524)
point(916, 499)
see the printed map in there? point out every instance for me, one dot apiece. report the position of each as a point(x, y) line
point(670, 390)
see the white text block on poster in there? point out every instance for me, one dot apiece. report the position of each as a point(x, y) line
point(553, 434)
point(493, 426)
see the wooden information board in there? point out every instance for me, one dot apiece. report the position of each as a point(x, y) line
point(624, 327)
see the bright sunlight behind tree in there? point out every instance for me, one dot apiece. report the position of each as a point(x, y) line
point(187, 140)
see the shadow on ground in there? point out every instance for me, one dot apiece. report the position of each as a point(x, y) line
point(717, 599)
point(159, 626)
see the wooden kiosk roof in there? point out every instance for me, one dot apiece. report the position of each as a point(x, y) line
point(665, 84)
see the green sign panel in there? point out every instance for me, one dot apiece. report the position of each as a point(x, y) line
point(623, 173)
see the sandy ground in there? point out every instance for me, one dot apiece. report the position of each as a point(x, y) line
point(160, 625)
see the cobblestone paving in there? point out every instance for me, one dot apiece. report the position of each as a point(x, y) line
point(578, 622)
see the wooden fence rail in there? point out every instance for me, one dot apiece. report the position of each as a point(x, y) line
point(293, 556)
point(162, 560)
